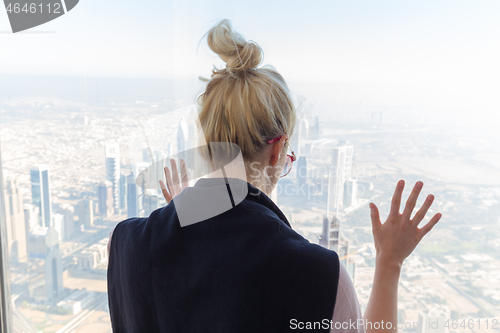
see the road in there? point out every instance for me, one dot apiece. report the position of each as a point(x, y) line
point(80, 318)
point(451, 281)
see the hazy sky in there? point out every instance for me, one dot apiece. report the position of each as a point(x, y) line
point(428, 52)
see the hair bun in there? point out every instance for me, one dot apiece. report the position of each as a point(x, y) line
point(238, 54)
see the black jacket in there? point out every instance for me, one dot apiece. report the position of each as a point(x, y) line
point(244, 270)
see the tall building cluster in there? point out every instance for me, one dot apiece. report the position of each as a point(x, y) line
point(341, 190)
point(342, 193)
point(26, 240)
point(142, 200)
point(35, 230)
point(44, 237)
point(35, 227)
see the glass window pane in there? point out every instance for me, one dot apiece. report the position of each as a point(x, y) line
point(384, 91)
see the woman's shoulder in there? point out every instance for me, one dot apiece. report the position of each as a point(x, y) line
point(268, 218)
point(125, 225)
point(133, 222)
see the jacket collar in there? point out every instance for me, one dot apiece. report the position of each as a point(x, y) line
point(254, 194)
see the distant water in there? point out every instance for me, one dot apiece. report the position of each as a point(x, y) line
point(96, 90)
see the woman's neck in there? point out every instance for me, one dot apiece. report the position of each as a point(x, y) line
point(251, 175)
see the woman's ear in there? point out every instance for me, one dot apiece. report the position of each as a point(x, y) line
point(276, 150)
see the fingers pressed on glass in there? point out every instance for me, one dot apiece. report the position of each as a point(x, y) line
point(170, 186)
point(419, 216)
point(184, 174)
point(426, 228)
point(175, 173)
point(164, 190)
point(412, 200)
point(375, 217)
point(396, 198)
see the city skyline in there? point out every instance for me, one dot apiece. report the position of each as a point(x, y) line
point(94, 103)
point(378, 157)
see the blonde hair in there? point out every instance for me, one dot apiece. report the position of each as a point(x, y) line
point(243, 103)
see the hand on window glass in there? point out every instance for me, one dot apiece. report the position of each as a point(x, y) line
point(174, 184)
point(399, 235)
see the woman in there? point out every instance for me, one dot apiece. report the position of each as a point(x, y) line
point(243, 268)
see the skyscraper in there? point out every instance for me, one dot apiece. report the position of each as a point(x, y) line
point(113, 171)
point(40, 191)
point(134, 198)
point(340, 171)
point(86, 212)
point(31, 217)
point(44, 245)
point(68, 213)
point(58, 225)
point(123, 191)
point(105, 197)
point(350, 192)
point(16, 229)
point(330, 237)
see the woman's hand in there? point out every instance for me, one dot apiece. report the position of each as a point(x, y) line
point(174, 184)
point(399, 235)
